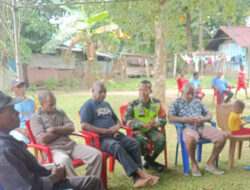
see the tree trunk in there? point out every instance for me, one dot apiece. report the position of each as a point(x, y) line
point(159, 84)
point(90, 56)
point(189, 32)
point(201, 38)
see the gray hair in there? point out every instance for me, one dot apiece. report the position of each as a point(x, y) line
point(43, 95)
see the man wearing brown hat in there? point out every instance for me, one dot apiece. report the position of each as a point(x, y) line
point(20, 170)
point(25, 109)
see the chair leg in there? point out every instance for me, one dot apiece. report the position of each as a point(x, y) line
point(176, 154)
point(231, 154)
point(185, 158)
point(111, 163)
point(239, 149)
point(165, 157)
point(199, 152)
point(104, 170)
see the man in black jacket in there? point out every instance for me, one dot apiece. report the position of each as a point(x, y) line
point(20, 170)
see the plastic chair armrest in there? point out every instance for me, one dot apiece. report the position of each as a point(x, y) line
point(128, 130)
point(44, 148)
point(87, 137)
point(94, 136)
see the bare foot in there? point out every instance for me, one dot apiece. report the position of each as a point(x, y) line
point(142, 182)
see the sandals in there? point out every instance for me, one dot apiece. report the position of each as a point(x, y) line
point(215, 171)
point(196, 173)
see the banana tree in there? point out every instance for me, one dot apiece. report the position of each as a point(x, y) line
point(84, 30)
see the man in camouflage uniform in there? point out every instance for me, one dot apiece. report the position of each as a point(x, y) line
point(145, 115)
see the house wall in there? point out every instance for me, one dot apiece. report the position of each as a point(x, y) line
point(232, 49)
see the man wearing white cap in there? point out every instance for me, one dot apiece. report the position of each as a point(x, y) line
point(25, 109)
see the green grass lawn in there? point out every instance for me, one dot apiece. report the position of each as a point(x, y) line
point(132, 84)
point(173, 179)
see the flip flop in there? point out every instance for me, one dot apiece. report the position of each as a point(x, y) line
point(196, 173)
point(215, 171)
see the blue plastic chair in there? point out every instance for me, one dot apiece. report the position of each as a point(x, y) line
point(185, 156)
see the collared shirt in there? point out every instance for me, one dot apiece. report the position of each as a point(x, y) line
point(19, 170)
point(181, 108)
point(41, 121)
point(221, 83)
point(129, 116)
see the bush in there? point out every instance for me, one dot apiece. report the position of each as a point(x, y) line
point(50, 84)
point(32, 87)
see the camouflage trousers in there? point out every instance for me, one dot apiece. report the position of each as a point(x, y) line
point(158, 140)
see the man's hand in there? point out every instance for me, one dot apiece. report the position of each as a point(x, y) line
point(57, 174)
point(50, 130)
point(146, 125)
point(153, 124)
point(112, 130)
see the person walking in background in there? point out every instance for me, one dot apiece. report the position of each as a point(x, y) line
point(241, 81)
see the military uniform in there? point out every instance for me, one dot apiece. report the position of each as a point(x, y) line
point(137, 114)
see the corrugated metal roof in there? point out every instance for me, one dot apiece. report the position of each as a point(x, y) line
point(239, 34)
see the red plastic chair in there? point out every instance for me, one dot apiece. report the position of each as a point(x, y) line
point(216, 94)
point(130, 134)
point(105, 155)
point(49, 159)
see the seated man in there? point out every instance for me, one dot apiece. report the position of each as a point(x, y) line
point(195, 81)
point(25, 108)
point(20, 170)
point(145, 115)
point(193, 114)
point(220, 84)
point(97, 116)
point(52, 127)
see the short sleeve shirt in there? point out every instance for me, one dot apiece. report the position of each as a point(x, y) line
point(195, 82)
point(41, 121)
point(181, 108)
point(99, 114)
point(234, 121)
point(221, 83)
point(25, 109)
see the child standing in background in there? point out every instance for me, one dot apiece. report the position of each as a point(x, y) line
point(180, 82)
point(235, 123)
point(241, 81)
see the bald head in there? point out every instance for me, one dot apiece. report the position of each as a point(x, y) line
point(99, 91)
point(187, 92)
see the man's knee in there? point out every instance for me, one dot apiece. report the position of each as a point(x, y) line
point(191, 141)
